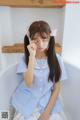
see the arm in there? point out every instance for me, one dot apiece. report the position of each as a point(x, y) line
point(28, 75)
point(53, 98)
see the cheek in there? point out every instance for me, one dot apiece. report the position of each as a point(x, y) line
point(45, 46)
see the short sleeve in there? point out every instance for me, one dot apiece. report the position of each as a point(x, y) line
point(21, 66)
point(64, 75)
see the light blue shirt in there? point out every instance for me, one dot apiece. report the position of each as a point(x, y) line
point(26, 99)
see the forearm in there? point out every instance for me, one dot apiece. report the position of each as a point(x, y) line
point(53, 98)
point(28, 75)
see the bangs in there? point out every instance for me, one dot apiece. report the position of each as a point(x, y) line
point(42, 34)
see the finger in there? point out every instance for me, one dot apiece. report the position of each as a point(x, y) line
point(33, 44)
point(31, 47)
point(32, 41)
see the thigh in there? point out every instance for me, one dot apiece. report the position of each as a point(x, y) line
point(34, 116)
point(18, 116)
point(55, 116)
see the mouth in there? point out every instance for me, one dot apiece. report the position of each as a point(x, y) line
point(40, 48)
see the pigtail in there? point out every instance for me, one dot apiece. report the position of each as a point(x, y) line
point(26, 52)
point(55, 70)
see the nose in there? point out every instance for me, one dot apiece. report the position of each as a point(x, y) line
point(39, 42)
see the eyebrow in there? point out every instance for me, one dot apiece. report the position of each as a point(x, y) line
point(41, 37)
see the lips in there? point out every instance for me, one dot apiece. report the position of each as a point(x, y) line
point(40, 48)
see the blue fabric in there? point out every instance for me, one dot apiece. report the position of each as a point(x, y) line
point(25, 99)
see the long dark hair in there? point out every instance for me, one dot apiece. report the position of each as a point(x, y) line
point(54, 67)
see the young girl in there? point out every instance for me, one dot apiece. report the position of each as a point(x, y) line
point(41, 71)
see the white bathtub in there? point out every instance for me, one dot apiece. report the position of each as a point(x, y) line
point(69, 90)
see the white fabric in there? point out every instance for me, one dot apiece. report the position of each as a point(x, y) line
point(36, 115)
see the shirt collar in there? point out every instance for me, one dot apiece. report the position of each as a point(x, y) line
point(40, 66)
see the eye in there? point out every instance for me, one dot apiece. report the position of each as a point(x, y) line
point(34, 38)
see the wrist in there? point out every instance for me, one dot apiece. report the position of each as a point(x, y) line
point(32, 57)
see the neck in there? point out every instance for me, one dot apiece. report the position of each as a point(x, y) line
point(40, 54)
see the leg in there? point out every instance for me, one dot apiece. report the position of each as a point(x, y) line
point(35, 115)
point(18, 116)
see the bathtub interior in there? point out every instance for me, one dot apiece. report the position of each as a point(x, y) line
point(9, 81)
point(70, 92)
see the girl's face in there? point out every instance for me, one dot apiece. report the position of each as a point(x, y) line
point(41, 42)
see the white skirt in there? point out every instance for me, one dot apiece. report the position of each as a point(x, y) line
point(36, 115)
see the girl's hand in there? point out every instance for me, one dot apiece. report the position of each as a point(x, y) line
point(44, 116)
point(32, 47)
